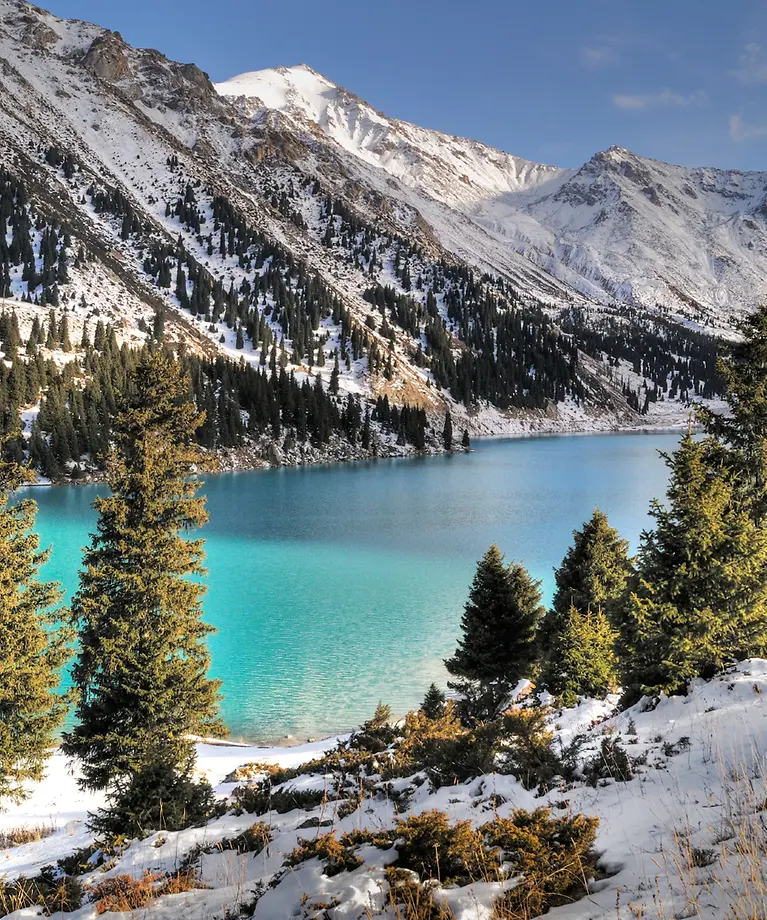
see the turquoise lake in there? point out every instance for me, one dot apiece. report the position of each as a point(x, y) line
point(334, 587)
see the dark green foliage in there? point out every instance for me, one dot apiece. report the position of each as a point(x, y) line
point(433, 706)
point(700, 597)
point(33, 644)
point(447, 432)
point(498, 642)
point(743, 429)
point(612, 762)
point(554, 857)
point(594, 573)
point(158, 796)
point(142, 662)
point(576, 637)
point(258, 799)
point(376, 734)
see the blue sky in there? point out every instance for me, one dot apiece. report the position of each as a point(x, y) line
point(552, 81)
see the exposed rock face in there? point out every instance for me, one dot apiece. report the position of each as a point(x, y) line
point(39, 35)
point(107, 58)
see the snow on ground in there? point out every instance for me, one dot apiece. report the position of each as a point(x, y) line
point(671, 840)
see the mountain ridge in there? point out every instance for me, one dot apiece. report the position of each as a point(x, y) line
point(552, 215)
point(263, 241)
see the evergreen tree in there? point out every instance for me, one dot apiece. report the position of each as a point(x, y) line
point(333, 386)
point(499, 628)
point(433, 706)
point(142, 662)
point(466, 440)
point(33, 643)
point(743, 429)
point(447, 432)
point(699, 600)
point(592, 579)
point(584, 662)
point(595, 570)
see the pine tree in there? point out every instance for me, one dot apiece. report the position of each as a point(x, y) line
point(433, 706)
point(142, 663)
point(584, 662)
point(700, 596)
point(595, 570)
point(592, 579)
point(466, 440)
point(333, 386)
point(743, 429)
point(33, 643)
point(499, 628)
point(447, 432)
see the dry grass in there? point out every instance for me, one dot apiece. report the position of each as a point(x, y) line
point(725, 876)
point(123, 893)
point(18, 836)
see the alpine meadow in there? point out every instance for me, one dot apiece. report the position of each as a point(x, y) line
point(383, 515)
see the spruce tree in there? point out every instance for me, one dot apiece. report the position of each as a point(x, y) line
point(592, 579)
point(141, 670)
point(466, 440)
point(584, 663)
point(447, 432)
point(33, 642)
point(595, 570)
point(433, 706)
point(699, 600)
point(742, 430)
point(499, 628)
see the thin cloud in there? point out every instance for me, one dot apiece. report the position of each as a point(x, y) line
point(666, 99)
point(741, 130)
point(752, 65)
point(598, 56)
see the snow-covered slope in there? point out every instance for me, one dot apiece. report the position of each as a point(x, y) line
point(111, 141)
point(683, 838)
point(622, 228)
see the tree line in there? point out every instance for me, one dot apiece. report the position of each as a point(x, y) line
point(78, 400)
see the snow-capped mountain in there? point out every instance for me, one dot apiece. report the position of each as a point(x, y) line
point(621, 228)
point(279, 219)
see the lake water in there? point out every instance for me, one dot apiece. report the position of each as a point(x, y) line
point(334, 587)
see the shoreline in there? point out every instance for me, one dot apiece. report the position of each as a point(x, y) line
point(249, 459)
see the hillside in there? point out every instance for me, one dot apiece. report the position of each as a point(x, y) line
point(621, 229)
point(304, 228)
point(681, 838)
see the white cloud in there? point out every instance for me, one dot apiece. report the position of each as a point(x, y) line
point(665, 99)
point(752, 65)
point(598, 56)
point(744, 131)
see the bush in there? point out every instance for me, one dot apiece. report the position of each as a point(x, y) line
point(51, 890)
point(159, 797)
point(376, 734)
point(82, 860)
point(430, 846)
point(554, 856)
point(527, 750)
point(124, 893)
point(612, 762)
point(259, 799)
point(252, 840)
point(337, 855)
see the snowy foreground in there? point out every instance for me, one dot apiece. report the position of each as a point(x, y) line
point(684, 838)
